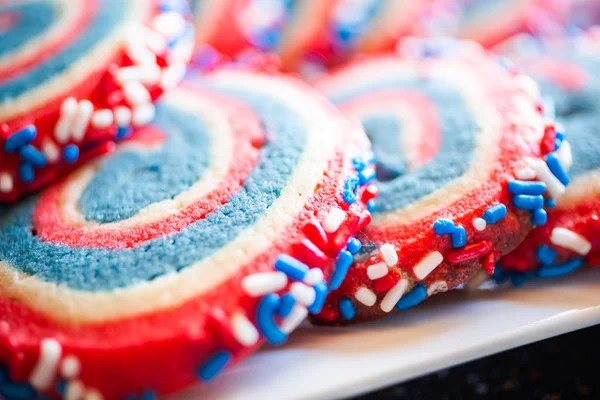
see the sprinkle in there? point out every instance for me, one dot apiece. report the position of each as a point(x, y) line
point(93, 394)
point(262, 283)
point(75, 390)
point(264, 319)
point(479, 224)
point(71, 153)
point(489, 262)
point(371, 206)
point(32, 155)
point(350, 191)
point(347, 309)
point(20, 138)
point(529, 86)
point(214, 365)
point(14, 391)
point(428, 264)
point(555, 188)
point(557, 169)
point(494, 213)
point(354, 246)
point(344, 262)
point(565, 155)
point(315, 233)
point(387, 282)
point(459, 237)
point(547, 144)
point(122, 116)
point(287, 303)
point(81, 120)
point(437, 287)
point(525, 173)
point(314, 276)
point(412, 298)
point(6, 182)
point(321, 295)
point(143, 114)
point(527, 187)
point(333, 220)
point(365, 296)
point(394, 295)
point(570, 240)
point(370, 192)
point(550, 203)
point(297, 315)
point(102, 118)
point(479, 279)
point(136, 94)
point(50, 150)
point(366, 175)
point(243, 330)
point(527, 202)
point(68, 110)
point(443, 226)
point(546, 255)
point(291, 267)
point(359, 163)
point(377, 271)
point(26, 172)
point(555, 271)
point(540, 217)
point(70, 367)
point(122, 132)
point(44, 371)
point(304, 294)
point(469, 252)
point(310, 253)
point(388, 252)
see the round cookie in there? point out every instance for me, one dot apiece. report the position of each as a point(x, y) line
point(214, 228)
point(75, 75)
point(567, 69)
point(453, 133)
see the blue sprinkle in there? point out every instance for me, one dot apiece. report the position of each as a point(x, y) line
point(459, 237)
point(350, 192)
point(546, 255)
point(527, 187)
point(550, 203)
point(61, 386)
point(443, 226)
point(366, 175)
point(26, 172)
point(557, 169)
point(371, 205)
point(499, 276)
point(71, 153)
point(359, 163)
point(20, 138)
point(291, 267)
point(517, 278)
point(264, 319)
point(347, 309)
point(123, 132)
point(150, 395)
point(527, 202)
point(214, 365)
point(14, 391)
point(560, 136)
point(321, 292)
point(354, 245)
point(495, 213)
point(540, 217)
point(344, 262)
point(412, 298)
point(287, 303)
point(32, 155)
point(558, 270)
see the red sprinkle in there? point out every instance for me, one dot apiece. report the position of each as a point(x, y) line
point(489, 262)
point(370, 192)
point(547, 144)
point(469, 252)
point(315, 233)
point(329, 313)
point(387, 282)
point(219, 325)
point(310, 254)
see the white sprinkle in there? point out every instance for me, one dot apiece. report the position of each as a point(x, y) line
point(570, 240)
point(141, 55)
point(365, 296)
point(394, 295)
point(304, 294)
point(555, 188)
point(297, 315)
point(6, 182)
point(388, 252)
point(333, 220)
point(262, 283)
point(314, 276)
point(44, 371)
point(70, 367)
point(81, 120)
point(529, 85)
point(154, 40)
point(525, 173)
point(565, 156)
point(479, 224)
point(437, 287)
point(150, 74)
point(377, 271)
point(143, 114)
point(428, 264)
point(68, 110)
point(74, 390)
point(479, 279)
point(50, 150)
point(172, 75)
point(123, 116)
point(136, 94)
point(93, 394)
point(244, 330)
point(128, 74)
point(102, 118)
point(169, 24)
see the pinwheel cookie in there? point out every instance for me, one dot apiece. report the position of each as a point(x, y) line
point(76, 75)
point(453, 133)
point(568, 70)
point(211, 230)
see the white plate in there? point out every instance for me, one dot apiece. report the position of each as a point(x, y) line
point(449, 329)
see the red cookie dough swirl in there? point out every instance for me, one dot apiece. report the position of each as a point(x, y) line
point(567, 69)
point(211, 230)
point(453, 133)
point(75, 75)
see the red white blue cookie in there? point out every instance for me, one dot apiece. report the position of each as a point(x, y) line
point(452, 131)
point(211, 230)
point(75, 75)
point(567, 69)
point(491, 21)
